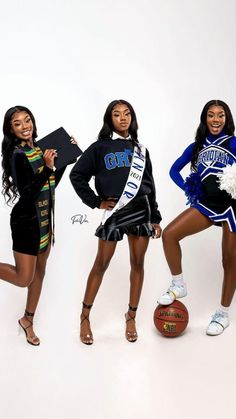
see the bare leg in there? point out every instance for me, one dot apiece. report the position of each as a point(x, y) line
point(105, 252)
point(22, 273)
point(220, 320)
point(34, 291)
point(138, 247)
point(229, 265)
point(189, 222)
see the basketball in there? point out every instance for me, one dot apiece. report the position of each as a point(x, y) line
point(171, 320)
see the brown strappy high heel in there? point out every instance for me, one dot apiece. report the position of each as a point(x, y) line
point(131, 336)
point(87, 338)
point(31, 339)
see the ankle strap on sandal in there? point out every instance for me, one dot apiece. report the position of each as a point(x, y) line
point(132, 308)
point(28, 314)
point(88, 306)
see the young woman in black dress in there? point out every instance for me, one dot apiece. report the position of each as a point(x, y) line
point(29, 177)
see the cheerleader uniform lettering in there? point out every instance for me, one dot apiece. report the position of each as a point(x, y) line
point(217, 153)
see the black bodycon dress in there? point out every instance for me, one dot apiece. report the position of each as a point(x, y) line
point(31, 224)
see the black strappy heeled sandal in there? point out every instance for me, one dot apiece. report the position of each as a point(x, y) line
point(31, 339)
point(131, 336)
point(86, 338)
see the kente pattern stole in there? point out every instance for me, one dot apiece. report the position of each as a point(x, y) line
point(46, 199)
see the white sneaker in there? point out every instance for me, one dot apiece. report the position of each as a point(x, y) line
point(218, 324)
point(173, 292)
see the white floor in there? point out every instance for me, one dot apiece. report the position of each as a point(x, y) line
point(189, 377)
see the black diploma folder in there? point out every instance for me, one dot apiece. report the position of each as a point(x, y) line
point(60, 140)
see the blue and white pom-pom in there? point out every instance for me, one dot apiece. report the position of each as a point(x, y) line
point(227, 180)
point(192, 188)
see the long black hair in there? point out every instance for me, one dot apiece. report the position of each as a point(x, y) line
point(8, 144)
point(202, 130)
point(108, 128)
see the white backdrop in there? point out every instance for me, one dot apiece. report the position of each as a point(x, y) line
point(66, 60)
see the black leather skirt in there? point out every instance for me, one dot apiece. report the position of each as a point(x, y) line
point(133, 219)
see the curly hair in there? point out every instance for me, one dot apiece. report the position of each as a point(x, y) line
point(8, 144)
point(202, 129)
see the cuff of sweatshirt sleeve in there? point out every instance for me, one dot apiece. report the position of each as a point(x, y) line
point(98, 203)
point(156, 219)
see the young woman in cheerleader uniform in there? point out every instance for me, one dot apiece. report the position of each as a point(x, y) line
point(211, 193)
point(126, 191)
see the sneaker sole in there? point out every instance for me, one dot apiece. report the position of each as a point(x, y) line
point(217, 334)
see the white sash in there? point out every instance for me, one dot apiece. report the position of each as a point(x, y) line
point(133, 181)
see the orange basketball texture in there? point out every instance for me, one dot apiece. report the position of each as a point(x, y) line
point(171, 320)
